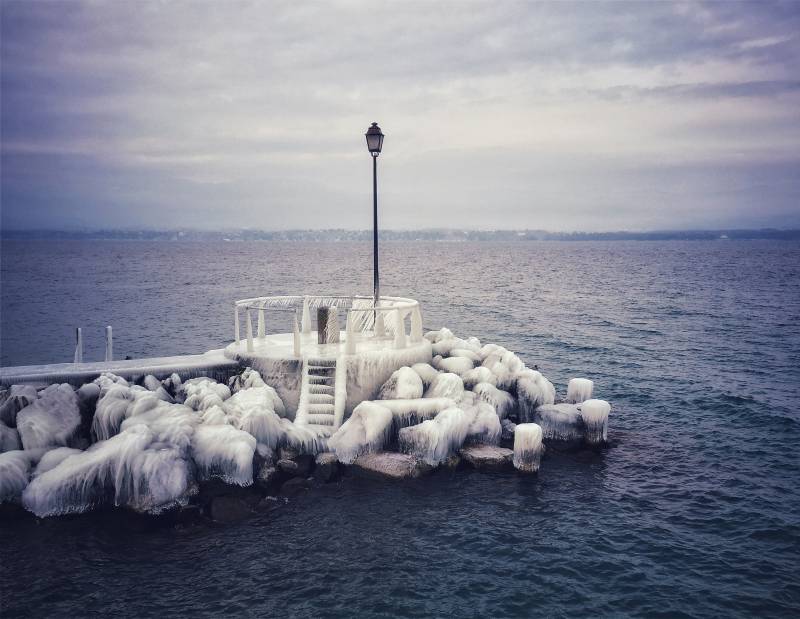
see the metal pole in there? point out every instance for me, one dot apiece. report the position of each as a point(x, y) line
point(375, 277)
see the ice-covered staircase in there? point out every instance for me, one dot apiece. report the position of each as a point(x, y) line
point(322, 395)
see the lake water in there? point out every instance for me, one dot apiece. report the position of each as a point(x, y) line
point(693, 511)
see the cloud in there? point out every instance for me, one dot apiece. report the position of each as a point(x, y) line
point(496, 114)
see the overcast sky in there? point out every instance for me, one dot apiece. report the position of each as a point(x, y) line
point(502, 115)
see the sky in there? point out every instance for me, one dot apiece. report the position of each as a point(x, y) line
point(498, 115)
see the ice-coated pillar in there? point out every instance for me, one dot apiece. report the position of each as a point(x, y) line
point(296, 338)
point(595, 417)
point(349, 335)
point(527, 447)
point(399, 329)
point(380, 327)
point(416, 325)
point(262, 328)
point(109, 344)
point(78, 346)
point(236, 322)
point(249, 328)
point(306, 324)
point(327, 325)
point(579, 389)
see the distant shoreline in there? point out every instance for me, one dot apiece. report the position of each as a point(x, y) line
point(444, 235)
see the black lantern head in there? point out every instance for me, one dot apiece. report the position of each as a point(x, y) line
point(374, 140)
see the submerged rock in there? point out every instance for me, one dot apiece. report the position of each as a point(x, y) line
point(295, 486)
point(326, 467)
point(488, 457)
point(390, 465)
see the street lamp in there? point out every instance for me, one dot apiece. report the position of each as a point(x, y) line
point(374, 137)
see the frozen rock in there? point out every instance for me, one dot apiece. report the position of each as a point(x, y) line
point(390, 465)
point(151, 383)
point(14, 400)
point(252, 410)
point(426, 372)
point(478, 375)
point(326, 467)
point(446, 385)
point(411, 412)
point(446, 347)
point(15, 471)
point(488, 457)
point(455, 365)
point(434, 440)
point(303, 439)
point(437, 336)
point(247, 379)
point(578, 390)
point(485, 427)
point(507, 436)
point(467, 354)
point(223, 451)
point(528, 447)
point(560, 422)
point(107, 380)
point(118, 403)
point(51, 420)
point(366, 431)
point(533, 390)
point(503, 402)
point(172, 384)
point(595, 418)
point(9, 439)
point(266, 476)
point(202, 393)
point(51, 459)
point(403, 384)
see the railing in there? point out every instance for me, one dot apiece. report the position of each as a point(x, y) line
point(365, 322)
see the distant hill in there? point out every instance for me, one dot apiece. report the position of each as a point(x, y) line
point(447, 235)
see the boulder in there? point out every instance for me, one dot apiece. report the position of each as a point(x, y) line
point(295, 486)
point(488, 457)
point(560, 422)
point(426, 372)
point(326, 467)
point(454, 365)
point(403, 384)
point(390, 465)
point(446, 385)
point(266, 477)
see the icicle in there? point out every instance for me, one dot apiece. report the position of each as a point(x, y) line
point(78, 346)
point(262, 327)
point(306, 324)
point(349, 336)
point(527, 447)
point(399, 329)
point(236, 322)
point(296, 333)
point(249, 332)
point(416, 325)
point(109, 344)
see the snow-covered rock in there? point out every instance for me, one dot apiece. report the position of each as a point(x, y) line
point(202, 393)
point(446, 385)
point(403, 384)
point(437, 336)
point(478, 375)
point(485, 426)
point(51, 459)
point(503, 402)
point(15, 472)
point(578, 390)
point(253, 410)
point(454, 365)
point(223, 451)
point(434, 440)
point(13, 400)
point(9, 439)
point(533, 390)
point(247, 379)
point(366, 431)
point(595, 418)
point(426, 372)
point(528, 447)
point(51, 420)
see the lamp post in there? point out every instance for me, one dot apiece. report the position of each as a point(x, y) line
point(374, 137)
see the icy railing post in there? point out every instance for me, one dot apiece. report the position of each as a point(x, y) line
point(78, 346)
point(109, 344)
point(380, 328)
point(416, 325)
point(262, 328)
point(249, 331)
point(350, 336)
point(236, 322)
point(296, 338)
point(306, 324)
point(399, 329)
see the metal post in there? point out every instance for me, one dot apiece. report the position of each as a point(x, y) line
point(375, 276)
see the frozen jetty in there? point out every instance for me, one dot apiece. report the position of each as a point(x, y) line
point(293, 400)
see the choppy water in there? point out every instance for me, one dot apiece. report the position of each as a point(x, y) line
point(695, 510)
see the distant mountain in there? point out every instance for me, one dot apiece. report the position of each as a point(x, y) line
point(447, 235)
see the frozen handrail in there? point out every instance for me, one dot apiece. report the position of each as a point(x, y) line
point(364, 320)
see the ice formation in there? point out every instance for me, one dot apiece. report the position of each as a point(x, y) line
point(51, 459)
point(247, 379)
point(253, 410)
point(433, 441)
point(528, 447)
point(578, 390)
point(403, 384)
point(367, 431)
point(412, 412)
point(455, 365)
point(9, 439)
point(15, 471)
point(446, 385)
point(560, 422)
point(595, 417)
point(51, 420)
point(485, 427)
point(478, 375)
point(14, 400)
point(502, 401)
point(533, 390)
point(426, 372)
point(202, 393)
point(225, 452)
